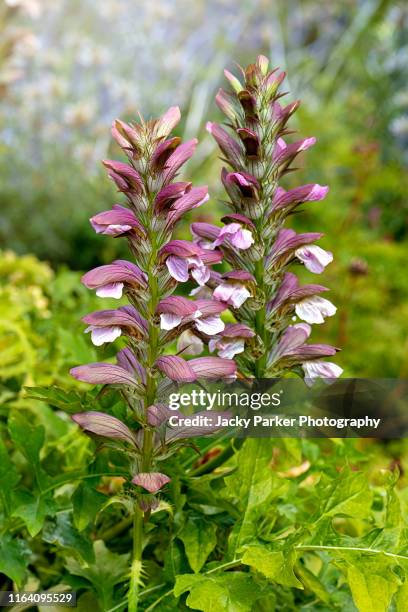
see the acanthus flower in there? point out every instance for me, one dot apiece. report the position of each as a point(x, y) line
point(234, 287)
point(184, 258)
point(231, 341)
point(116, 222)
point(154, 317)
point(204, 315)
point(257, 157)
point(110, 280)
point(107, 325)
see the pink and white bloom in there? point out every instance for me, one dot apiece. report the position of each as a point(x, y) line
point(107, 325)
point(325, 370)
point(116, 222)
point(210, 236)
point(237, 236)
point(314, 309)
point(287, 244)
point(291, 292)
point(233, 288)
point(306, 193)
point(314, 258)
point(292, 348)
point(231, 341)
point(110, 280)
point(204, 315)
point(184, 258)
point(286, 152)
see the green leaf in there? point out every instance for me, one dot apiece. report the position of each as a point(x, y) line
point(33, 509)
point(69, 401)
point(251, 488)
point(228, 592)
point(175, 561)
point(199, 539)
point(401, 597)
point(349, 495)
point(27, 438)
point(274, 565)
point(108, 570)
point(62, 532)
point(9, 476)
point(312, 583)
point(372, 582)
point(86, 503)
point(77, 348)
point(14, 557)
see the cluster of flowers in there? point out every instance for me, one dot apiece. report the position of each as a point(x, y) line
point(154, 317)
point(260, 292)
point(263, 295)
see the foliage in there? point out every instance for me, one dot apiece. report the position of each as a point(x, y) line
point(284, 525)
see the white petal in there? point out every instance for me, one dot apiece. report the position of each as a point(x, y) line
point(201, 274)
point(113, 290)
point(212, 345)
point(210, 325)
point(169, 321)
point(231, 349)
point(190, 344)
point(178, 268)
point(223, 292)
point(117, 230)
point(314, 258)
point(242, 239)
point(100, 335)
point(239, 296)
point(320, 369)
point(314, 309)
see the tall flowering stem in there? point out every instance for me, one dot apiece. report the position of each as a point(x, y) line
point(264, 296)
point(154, 317)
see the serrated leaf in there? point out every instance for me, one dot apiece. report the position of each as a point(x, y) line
point(372, 582)
point(349, 495)
point(27, 438)
point(251, 488)
point(199, 539)
point(70, 401)
point(274, 565)
point(86, 503)
point(14, 557)
point(175, 561)
point(232, 591)
point(107, 570)
point(33, 509)
point(62, 532)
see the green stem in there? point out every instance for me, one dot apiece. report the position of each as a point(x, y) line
point(147, 450)
point(136, 568)
point(260, 316)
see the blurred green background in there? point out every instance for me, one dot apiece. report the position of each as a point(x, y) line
point(67, 69)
